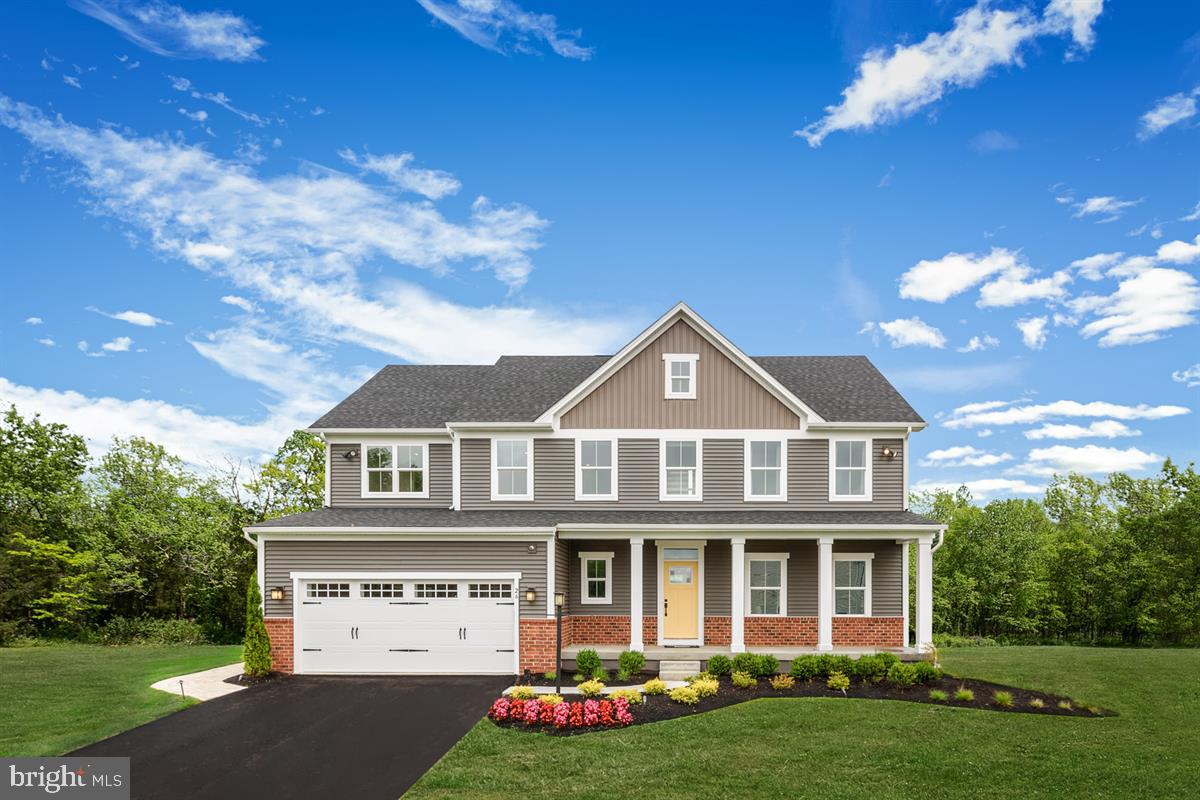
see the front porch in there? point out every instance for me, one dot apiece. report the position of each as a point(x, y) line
point(654, 654)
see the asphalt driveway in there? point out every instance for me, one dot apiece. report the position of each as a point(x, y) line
point(304, 737)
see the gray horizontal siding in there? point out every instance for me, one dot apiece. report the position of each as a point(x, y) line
point(801, 572)
point(887, 570)
point(283, 557)
point(620, 577)
point(345, 480)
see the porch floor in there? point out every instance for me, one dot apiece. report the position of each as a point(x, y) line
point(609, 652)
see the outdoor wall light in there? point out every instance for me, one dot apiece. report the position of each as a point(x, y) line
point(530, 595)
point(276, 592)
point(888, 453)
point(350, 454)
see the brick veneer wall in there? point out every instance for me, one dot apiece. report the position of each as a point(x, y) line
point(537, 644)
point(650, 630)
point(780, 631)
point(868, 631)
point(599, 629)
point(718, 631)
point(279, 629)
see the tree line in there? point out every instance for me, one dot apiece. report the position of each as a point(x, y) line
point(134, 535)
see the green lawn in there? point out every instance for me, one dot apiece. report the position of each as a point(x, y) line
point(56, 698)
point(831, 748)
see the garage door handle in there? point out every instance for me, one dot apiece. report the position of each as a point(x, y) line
point(509, 603)
point(504, 651)
point(406, 650)
point(312, 602)
point(311, 649)
point(408, 603)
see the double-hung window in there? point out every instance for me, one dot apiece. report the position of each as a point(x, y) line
point(850, 469)
point(595, 588)
point(596, 469)
point(682, 469)
point(766, 470)
point(766, 584)
point(512, 469)
point(395, 470)
point(852, 584)
point(679, 375)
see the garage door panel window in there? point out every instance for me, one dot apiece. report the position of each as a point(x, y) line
point(428, 591)
point(395, 470)
point(326, 590)
point(483, 591)
point(381, 590)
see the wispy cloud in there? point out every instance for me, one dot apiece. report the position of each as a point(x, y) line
point(993, 141)
point(897, 84)
point(978, 343)
point(1107, 207)
point(218, 98)
point(1189, 376)
point(1005, 412)
point(1100, 429)
point(48, 342)
point(398, 169)
point(983, 489)
point(1170, 110)
point(168, 30)
point(33, 320)
point(911, 332)
point(139, 318)
point(502, 25)
point(72, 81)
point(964, 456)
point(1090, 459)
point(239, 302)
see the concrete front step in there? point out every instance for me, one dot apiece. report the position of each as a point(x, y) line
point(677, 670)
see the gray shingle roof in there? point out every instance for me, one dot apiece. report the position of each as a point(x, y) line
point(527, 518)
point(520, 388)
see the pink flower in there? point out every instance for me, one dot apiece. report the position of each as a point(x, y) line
point(562, 714)
point(532, 707)
point(621, 708)
point(591, 712)
point(499, 710)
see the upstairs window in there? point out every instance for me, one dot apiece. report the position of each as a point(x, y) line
point(596, 473)
point(852, 584)
point(395, 470)
point(679, 375)
point(850, 469)
point(512, 469)
point(681, 470)
point(766, 470)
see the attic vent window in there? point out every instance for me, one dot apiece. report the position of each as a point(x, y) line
point(679, 375)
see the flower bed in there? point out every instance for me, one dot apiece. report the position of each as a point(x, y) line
point(561, 717)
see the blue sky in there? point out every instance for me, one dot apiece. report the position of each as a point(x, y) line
point(997, 203)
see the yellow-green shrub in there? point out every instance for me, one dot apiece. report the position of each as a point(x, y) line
point(591, 688)
point(838, 682)
point(685, 694)
point(706, 686)
point(782, 682)
point(654, 686)
point(523, 693)
point(743, 680)
point(632, 695)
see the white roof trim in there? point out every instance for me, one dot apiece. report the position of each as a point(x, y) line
point(680, 311)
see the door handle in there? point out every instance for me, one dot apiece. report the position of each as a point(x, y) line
point(666, 606)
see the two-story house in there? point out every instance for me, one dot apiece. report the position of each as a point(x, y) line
point(680, 493)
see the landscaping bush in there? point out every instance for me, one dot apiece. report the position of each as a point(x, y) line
point(654, 686)
point(579, 677)
point(805, 668)
point(705, 686)
point(925, 672)
point(550, 675)
point(839, 682)
point(632, 696)
point(766, 666)
point(888, 659)
point(719, 665)
point(686, 695)
point(146, 630)
point(1003, 699)
point(902, 674)
point(937, 695)
point(631, 662)
point(256, 652)
point(1065, 705)
point(600, 674)
point(587, 662)
point(10, 629)
point(745, 662)
point(1037, 702)
point(522, 693)
point(782, 682)
point(964, 696)
point(622, 676)
point(743, 680)
point(591, 688)
point(551, 699)
point(870, 668)
point(941, 640)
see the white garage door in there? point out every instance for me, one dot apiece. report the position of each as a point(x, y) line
point(419, 627)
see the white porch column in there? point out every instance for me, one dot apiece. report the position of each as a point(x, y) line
point(737, 604)
point(906, 581)
point(924, 594)
point(825, 593)
point(636, 579)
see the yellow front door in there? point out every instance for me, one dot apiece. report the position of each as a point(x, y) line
point(680, 600)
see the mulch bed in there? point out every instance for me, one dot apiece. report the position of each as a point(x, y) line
point(659, 708)
point(568, 679)
point(246, 680)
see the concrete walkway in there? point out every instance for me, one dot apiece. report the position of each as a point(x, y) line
point(203, 685)
point(573, 690)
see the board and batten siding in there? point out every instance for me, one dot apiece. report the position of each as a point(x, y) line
point(726, 396)
point(723, 468)
point(345, 479)
point(282, 557)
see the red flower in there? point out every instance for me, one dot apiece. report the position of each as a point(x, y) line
point(606, 713)
point(546, 713)
point(516, 710)
point(576, 715)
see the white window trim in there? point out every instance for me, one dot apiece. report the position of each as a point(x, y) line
point(675, 358)
point(362, 459)
point(606, 557)
point(579, 495)
point(662, 471)
point(867, 590)
point(783, 472)
point(834, 497)
point(504, 498)
point(782, 558)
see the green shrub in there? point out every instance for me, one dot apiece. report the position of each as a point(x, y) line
point(839, 682)
point(579, 677)
point(550, 676)
point(146, 630)
point(766, 666)
point(782, 682)
point(622, 676)
point(631, 662)
point(587, 661)
point(591, 688)
point(1065, 705)
point(805, 668)
point(705, 686)
point(522, 693)
point(925, 672)
point(256, 651)
point(654, 686)
point(600, 674)
point(888, 659)
point(632, 695)
point(745, 662)
point(941, 640)
point(964, 695)
point(720, 665)
point(10, 630)
point(1003, 699)
point(743, 680)
point(1037, 702)
point(937, 695)
point(685, 694)
point(870, 668)
point(902, 674)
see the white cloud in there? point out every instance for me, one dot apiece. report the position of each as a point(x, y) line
point(118, 345)
point(1101, 429)
point(139, 318)
point(1006, 412)
point(1143, 308)
point(964, 456)
point(72, 81)
point(1093, 267)
point(1109, 207)
point(911, 332)
point(397, 168)
point(1189, 376)
point(168, 30)
point(48, 342)
point(939, 280)
point(1179, 252)
point(1090, 459)
point(982, 489)
point(897, 84)
point(239, 302)
point(33, 320)
point(501, 25)
point(1192, 215)
point(978, 343)
point(1170, 110)
point(297, 240)
point(993, 142)
point(1014, 288)
point(1033, 331)
point(82, 345)
point(194, 116)
point(983, 434)
point(219, 98)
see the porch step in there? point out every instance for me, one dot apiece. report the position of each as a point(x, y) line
point(677, 670)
